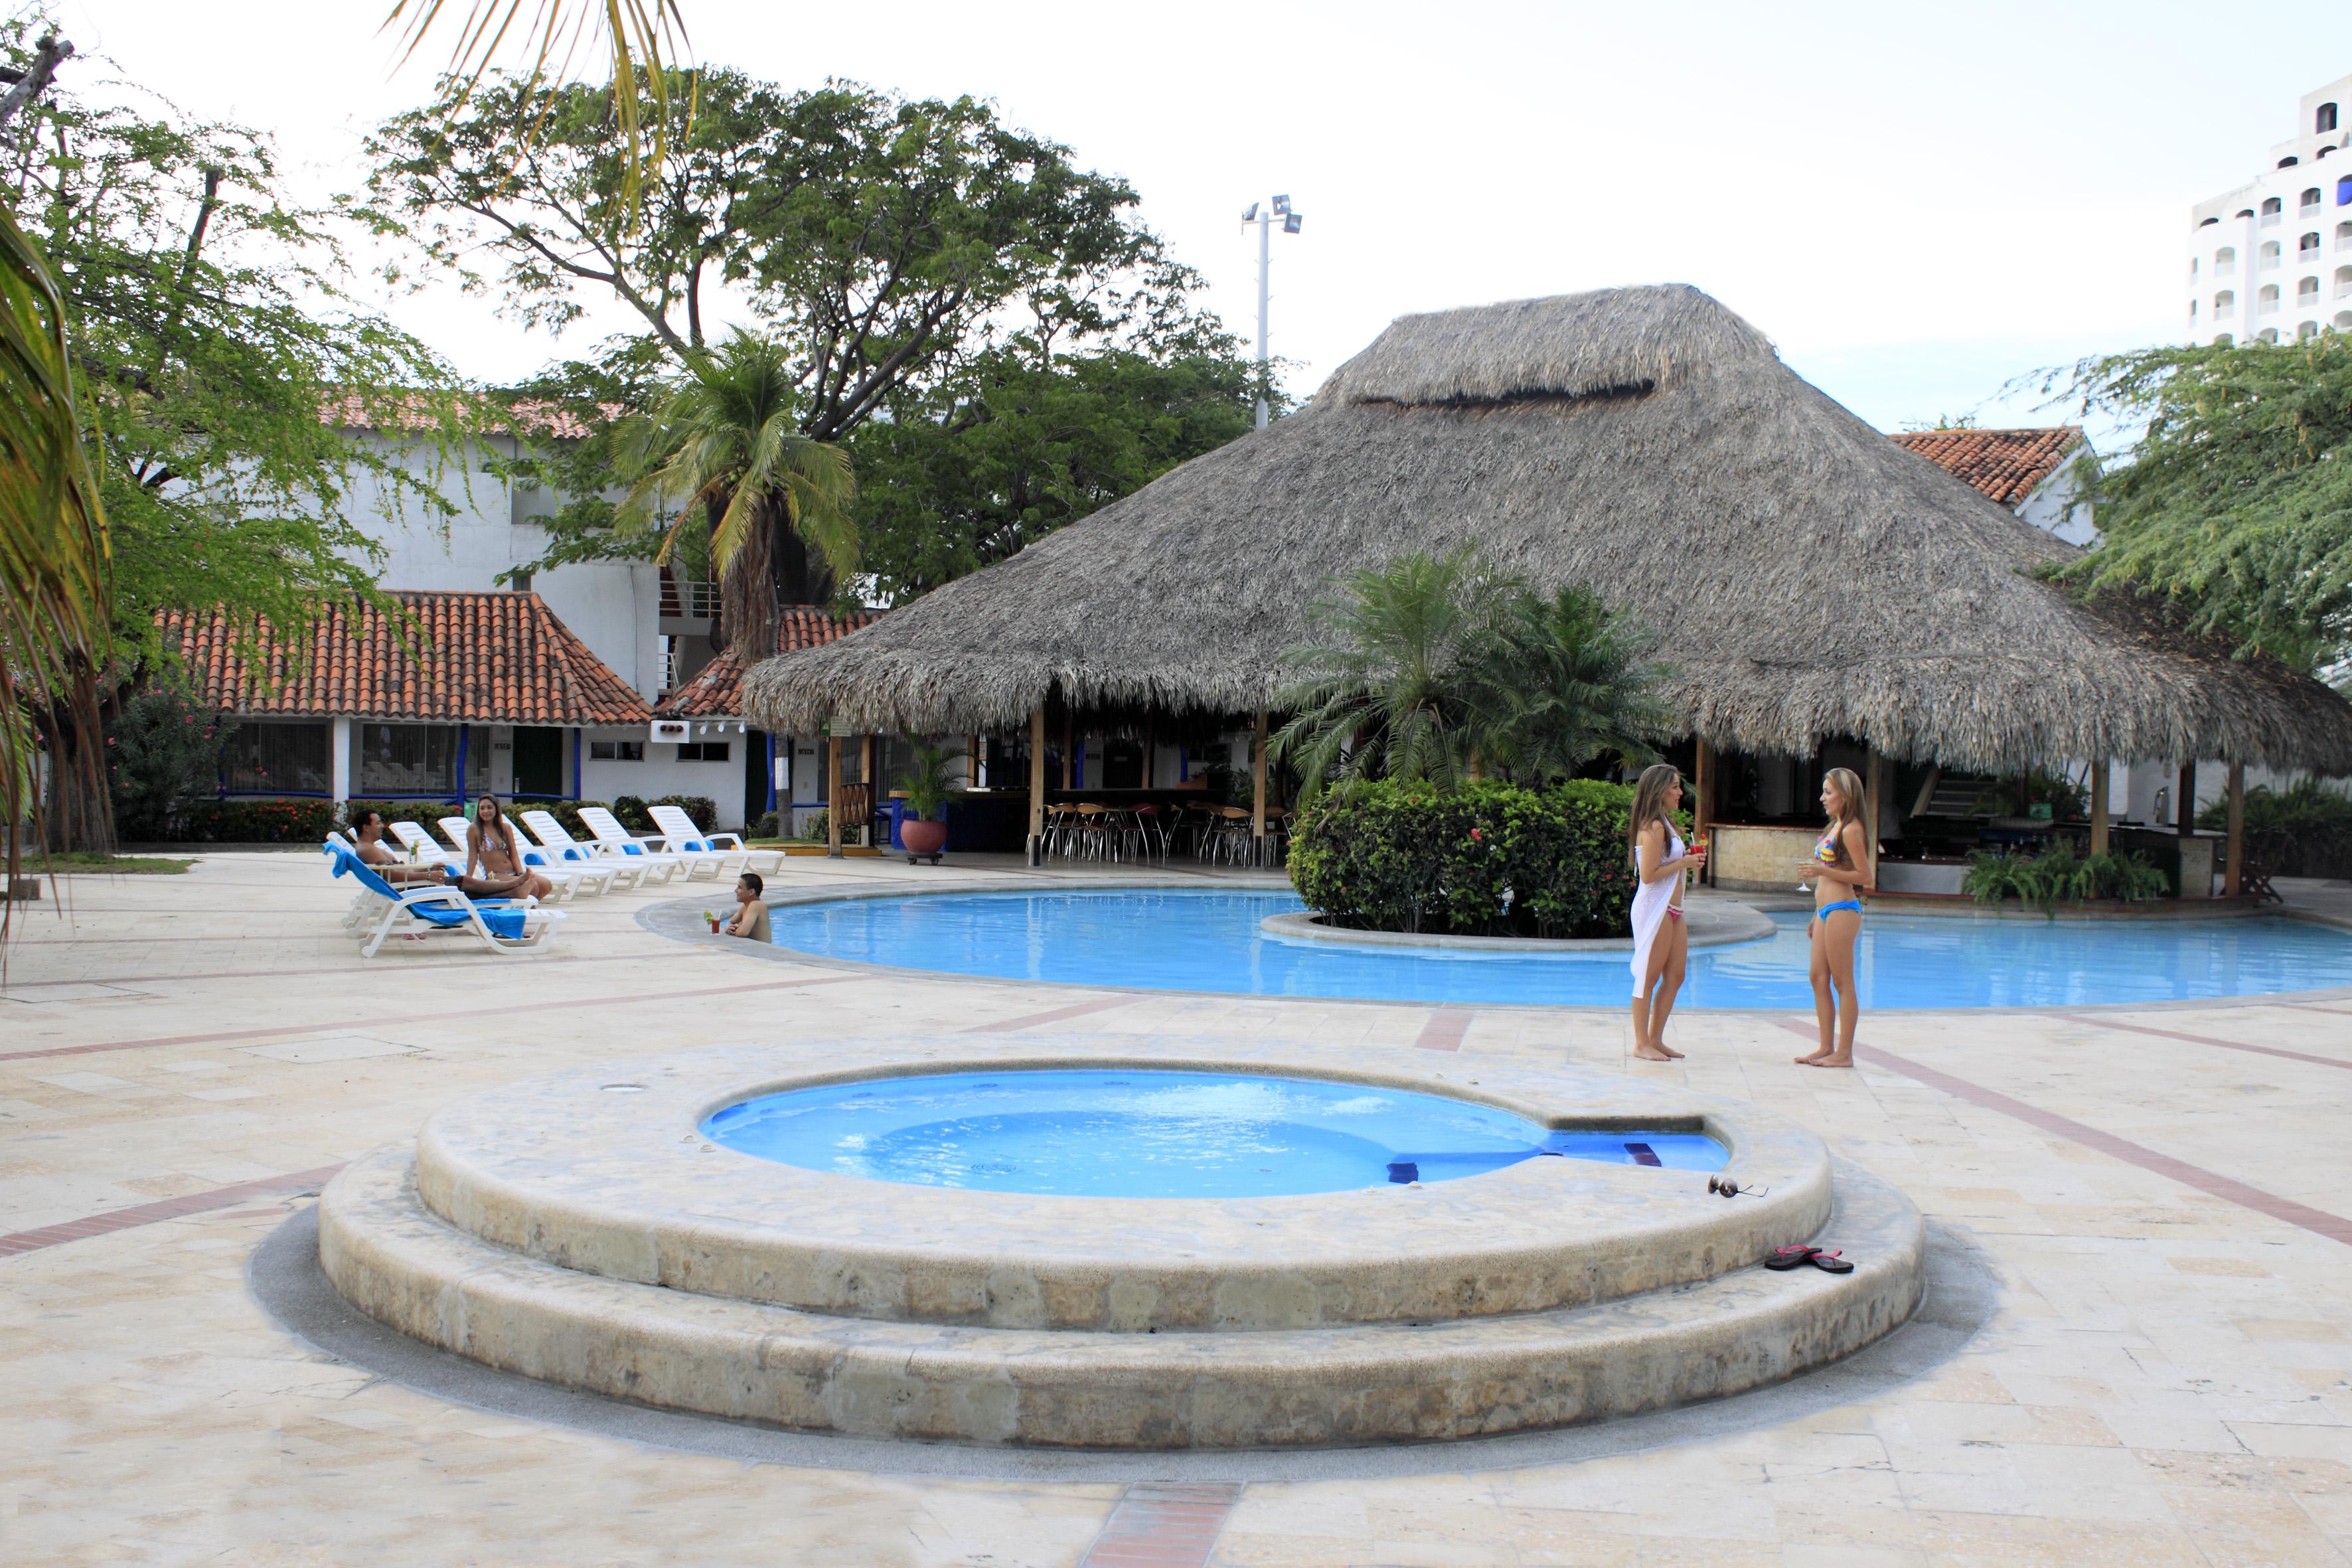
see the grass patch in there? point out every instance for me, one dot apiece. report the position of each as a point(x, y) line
point(82, 862)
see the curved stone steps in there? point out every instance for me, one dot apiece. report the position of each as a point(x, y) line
point(403, 1264)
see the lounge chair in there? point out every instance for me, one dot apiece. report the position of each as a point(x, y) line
point(630, 870)
point(619, 842)
point(502, 925)
point(680, 835)
point(570, 881)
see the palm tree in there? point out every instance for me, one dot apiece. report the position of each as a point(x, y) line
point(728, 444)
point(54, 553)
point(1391, 693)
point(1565, 681)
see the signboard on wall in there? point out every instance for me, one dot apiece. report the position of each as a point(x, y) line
point(672, 729)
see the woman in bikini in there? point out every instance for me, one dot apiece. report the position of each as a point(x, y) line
point(1840, 872)
point(492, 844)
point(1661, 945)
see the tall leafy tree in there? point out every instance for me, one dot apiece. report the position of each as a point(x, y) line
point(2234, 507)
point(221, 357)
point(1017, 443)
point(910, 256)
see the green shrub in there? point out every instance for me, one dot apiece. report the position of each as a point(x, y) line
point(814, 828)
point(2303, 830)
point(2058, 876)
point(763, 828)
point(255, 821)
point(1486, 859)
point(163, 755)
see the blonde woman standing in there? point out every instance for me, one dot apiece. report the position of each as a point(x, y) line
point(1661, 945)
point(1840, 873)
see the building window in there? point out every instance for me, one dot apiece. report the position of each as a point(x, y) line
point(2269, 255)
point(273, 757)
point(2225, 260)
point(2224, 302)
point(2308, 247)
point(2192, 273)
point(408, 759)
point(2266, 303)
point(2223, 339)
point(2343, 321)
point(2267, 335)
point(703, 751)
point(2344, 192)
point(2343, 281)
point(2192, 310)
point(2289, 161)
point(2310, 203)
point(2324, 121)
point(2306, 293)
point(2273, 210)
point(2344, 236)
point(2308, 330)
point(616, 751)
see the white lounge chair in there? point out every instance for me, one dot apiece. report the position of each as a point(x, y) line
point(631, 871)
point(620, 843)
point(502, 925)
point(679, 835)
point(570, 881)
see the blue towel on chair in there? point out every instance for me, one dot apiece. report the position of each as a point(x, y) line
point(503, 916)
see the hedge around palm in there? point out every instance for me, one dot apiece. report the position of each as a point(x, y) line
point(1484, 859)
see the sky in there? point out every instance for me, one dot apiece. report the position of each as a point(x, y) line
point(1918, 204)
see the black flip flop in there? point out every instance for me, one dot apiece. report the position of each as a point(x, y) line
point(1830, 1263)
point(1791, 1258)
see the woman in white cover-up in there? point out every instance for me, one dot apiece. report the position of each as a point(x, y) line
point(1661, 945)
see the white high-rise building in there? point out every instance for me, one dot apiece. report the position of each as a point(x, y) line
point(2272, 259)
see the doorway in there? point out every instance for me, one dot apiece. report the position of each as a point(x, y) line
point(538, 762)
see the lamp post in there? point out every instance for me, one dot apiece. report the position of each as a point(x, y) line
point(1265, 215)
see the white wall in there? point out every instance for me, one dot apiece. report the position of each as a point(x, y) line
point(613, 606)
point(662, 774)
point(2054, 509)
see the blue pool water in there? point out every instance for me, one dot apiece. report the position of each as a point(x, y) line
point(1188, 941)
point(1110, 1132)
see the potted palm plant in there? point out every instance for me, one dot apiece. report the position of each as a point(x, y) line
point(925, 834)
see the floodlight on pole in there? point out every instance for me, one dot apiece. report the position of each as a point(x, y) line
point(1277, 209)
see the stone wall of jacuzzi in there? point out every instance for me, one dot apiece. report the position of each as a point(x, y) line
point(593, 1237)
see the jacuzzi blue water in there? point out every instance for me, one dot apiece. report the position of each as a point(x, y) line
point(1110, 1132)
point(1185, 941)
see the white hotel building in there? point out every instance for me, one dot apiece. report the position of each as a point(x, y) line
point(2272, 260)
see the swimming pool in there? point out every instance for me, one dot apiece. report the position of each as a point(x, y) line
point(1209, 941)
point(1121, 1132)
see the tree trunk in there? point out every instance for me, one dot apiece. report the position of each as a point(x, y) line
point(78, 815)
point(748, 594)
point(801, 577)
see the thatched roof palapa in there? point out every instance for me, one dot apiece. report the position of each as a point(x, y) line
point(1810, 577)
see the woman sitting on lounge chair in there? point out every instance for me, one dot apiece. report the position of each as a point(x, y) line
point(368, 830)
point(492, 844)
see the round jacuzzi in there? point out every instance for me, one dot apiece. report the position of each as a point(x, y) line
point(1131, 1133)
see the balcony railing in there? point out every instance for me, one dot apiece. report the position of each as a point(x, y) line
point(686, 599)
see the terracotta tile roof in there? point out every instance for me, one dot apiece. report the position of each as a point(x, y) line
point(530, 416)
point(501, 658)
point(2007, 465)
point(717, 693)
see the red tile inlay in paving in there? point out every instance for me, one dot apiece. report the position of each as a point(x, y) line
point(2319, 1221)
point(1162, 1524)
point(1445, 1029)
point(2098, 1023)
point(168, 1208)
point(1051, 1015)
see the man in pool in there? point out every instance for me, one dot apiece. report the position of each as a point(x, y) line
point(750, 917)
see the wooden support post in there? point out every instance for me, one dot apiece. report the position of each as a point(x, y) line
point(2099, 806)
point(1037, 787)
point(1702, 795)
point(1873, 790)
point(873, 795)
point(2187, 801)
point(1257, 794)
point(833, 796)
point(2234, 868)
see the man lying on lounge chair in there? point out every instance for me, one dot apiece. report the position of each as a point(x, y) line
point(368, 830)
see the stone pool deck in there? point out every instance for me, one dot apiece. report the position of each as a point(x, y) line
point(2153, 1201)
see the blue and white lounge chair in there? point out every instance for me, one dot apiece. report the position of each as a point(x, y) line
point(570, 852)
point(680, 836)
point(617, 841)
point(502, 925)
point(570, 881)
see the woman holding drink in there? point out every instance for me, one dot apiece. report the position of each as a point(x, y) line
point(1661, 945)
point(1840, 874)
